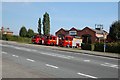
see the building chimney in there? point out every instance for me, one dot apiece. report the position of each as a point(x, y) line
point(2, 28)
point(8, 28)
point(98, 26)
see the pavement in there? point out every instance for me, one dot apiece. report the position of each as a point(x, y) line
point(96, 53)
point(48, 62)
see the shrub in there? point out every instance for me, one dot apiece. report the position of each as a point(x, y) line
point(24, 40)
point(110, 47)
point(16, 38)
point(86, 46)
point(113, 47)
point(4, 37)
point(99, 47)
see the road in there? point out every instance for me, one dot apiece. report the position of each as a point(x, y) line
point(44, 62)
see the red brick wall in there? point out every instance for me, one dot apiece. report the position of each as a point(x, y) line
point(88, 31)
point(61, 31)
point(85, 31)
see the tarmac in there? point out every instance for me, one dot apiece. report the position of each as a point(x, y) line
point(76, 50)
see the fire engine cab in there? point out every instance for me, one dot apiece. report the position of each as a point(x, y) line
point(50, 40)
point(36, 39)
point(70, 41)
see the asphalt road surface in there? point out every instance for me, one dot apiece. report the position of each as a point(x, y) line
point(44, 62)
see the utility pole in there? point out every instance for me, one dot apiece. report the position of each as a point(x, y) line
point(104, 41)
point(100, 26)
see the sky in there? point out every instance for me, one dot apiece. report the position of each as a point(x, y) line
point(62, 14)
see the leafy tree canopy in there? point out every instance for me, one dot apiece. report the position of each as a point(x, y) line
point(39, 26)
point(23, 31)
point(30, 33)
point(114, 31)
point(46, 24)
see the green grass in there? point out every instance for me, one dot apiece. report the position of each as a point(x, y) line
point(16, 39)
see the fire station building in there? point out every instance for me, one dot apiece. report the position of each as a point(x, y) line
point(87, 34)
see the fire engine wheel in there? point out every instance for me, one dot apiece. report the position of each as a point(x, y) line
point(33, 42)
point(77, 46)
point(68, 46)
point(52, 44)
point(47, 44)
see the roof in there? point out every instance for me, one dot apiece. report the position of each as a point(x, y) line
point(62, 29)
point(94, 30)
point(66, 30)
point(6, 29)
point(74, 29)
point(99, 31)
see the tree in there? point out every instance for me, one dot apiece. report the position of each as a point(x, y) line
point(39, 26)
point(23, 32)
point(46, 24)
point(30, 33)
point(114, 31)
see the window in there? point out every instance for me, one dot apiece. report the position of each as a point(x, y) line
point(68, 38)
point(54, 38)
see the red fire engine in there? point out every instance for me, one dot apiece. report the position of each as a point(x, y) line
point(47, 40)
point(50, 40)
point(66, 41)
point(36, 39)
point(70, 41)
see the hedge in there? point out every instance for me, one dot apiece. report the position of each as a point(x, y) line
point(110, 47)
point(16, 38)
point(113, 47)
point(99, 47)
point(87, 46)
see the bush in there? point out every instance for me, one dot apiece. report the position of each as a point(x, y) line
point(113, 47)
point(24, 40)
point(4, 37)
point(110, 47)
point(87, 46)
point(99, 47)
point(16, 38)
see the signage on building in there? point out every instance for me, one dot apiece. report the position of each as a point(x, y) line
point(72, 32)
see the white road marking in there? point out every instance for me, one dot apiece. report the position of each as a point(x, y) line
point(34, 50)
point(30, 60)
point(86, 60)
point(82, 53)
point(57, 55)
point(51, 66)
point(17, 47)
point(110, 65)
point(4, 52)
point(87, 75)
point(50, 54)
point(0, 44)
point(15, 56)
point(27, 49)
point(22, 48)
